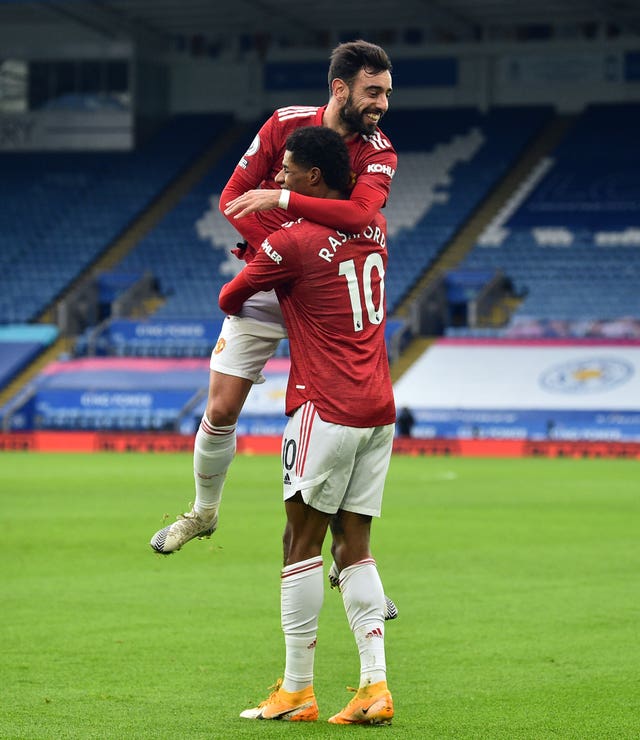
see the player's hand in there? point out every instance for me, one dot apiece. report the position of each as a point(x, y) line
point(252, 201)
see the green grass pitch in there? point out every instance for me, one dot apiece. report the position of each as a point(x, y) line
point(517, 583)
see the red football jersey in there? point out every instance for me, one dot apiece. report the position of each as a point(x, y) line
point(330, 286)
point(373, 163)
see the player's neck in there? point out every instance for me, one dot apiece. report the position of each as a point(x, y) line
point(335, 195)
point(331, 119)
point(322, 191)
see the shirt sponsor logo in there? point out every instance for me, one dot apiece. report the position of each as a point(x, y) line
point(383, 168)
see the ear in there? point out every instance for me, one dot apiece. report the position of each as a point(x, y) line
point(339, 90)
point(315, 176)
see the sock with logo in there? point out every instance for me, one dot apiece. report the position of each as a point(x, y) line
point(363, 597)
point(301, 595)
point(213, 452)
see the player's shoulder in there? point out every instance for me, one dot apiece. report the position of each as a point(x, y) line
point(374, 154)
point(301, 232)
point(286, 245)
point(290, 231)
point(377, 141)
point(295, 115)
point(302, 226)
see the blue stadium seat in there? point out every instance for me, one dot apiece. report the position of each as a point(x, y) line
point(61, 210)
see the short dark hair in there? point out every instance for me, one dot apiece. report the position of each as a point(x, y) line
point(324, 148)
point(349, 58)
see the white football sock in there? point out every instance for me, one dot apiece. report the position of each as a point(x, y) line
point(363, 597)
point(334, 573)
point(301, 595)
point(213, 452)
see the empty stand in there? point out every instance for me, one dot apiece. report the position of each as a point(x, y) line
point(573, 245)
point(448, 161)
point(61, 210)
point(19, 345)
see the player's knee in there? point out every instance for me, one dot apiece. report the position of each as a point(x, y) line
point(222, 413)
point(302, 549)
point(346, 553)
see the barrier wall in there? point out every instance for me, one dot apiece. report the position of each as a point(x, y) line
point(89, 442)
point(535, 390)
point(460, 390)
point(141, 394)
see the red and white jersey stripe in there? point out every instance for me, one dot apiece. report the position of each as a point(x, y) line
point(308, 415)
point(296, 111)
point(378, 141)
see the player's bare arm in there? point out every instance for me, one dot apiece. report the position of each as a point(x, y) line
point(252, 201)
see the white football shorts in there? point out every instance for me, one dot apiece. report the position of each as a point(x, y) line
point(263, 306)
point(334, 466)
point(244, 346)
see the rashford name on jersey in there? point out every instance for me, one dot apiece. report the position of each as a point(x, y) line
point(374, 233)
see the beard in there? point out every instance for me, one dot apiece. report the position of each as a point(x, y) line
point(356, 121)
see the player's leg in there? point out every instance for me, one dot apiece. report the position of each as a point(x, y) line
point(364, 603)
point(391, 611)
point(308, 456)
point(302, 591)
point(362, 594)
point(351, 538)
point(213, 451)
point(378, 454)
point(325, 463)
point(240, 354)
point(301, 596)
point(360, 584)
point(215, 444)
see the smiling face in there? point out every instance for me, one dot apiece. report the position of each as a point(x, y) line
point(366, 102)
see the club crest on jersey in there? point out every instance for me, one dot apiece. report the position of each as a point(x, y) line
point(220, 345)
point(253, 148)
